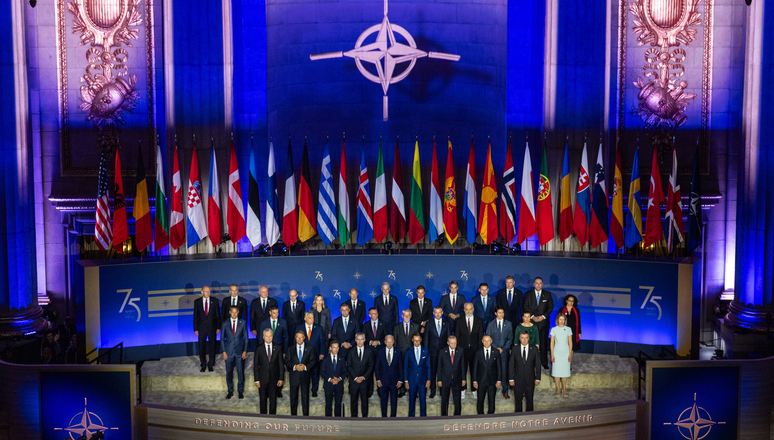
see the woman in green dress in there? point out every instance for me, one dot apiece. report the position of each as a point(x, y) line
point(527, 326)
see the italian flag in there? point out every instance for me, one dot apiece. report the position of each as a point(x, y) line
point(380, 200)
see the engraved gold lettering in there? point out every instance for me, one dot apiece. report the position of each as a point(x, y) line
point(198, 421)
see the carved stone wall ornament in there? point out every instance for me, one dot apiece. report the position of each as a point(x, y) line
point(109, 89)
point(664, 24)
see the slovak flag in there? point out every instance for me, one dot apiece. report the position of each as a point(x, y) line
point(197, 225)
point(580, 223)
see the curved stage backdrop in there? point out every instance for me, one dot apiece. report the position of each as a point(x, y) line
point(152, 303)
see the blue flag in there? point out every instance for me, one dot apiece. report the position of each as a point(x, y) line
point(326, 204)
point(633, 231)
point(365, 222)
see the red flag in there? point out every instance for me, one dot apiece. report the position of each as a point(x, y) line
point(527, 226)
point(487, 213)
point(653, 231)
point(508, 199)
point(120, 226)
point(177, 225)
point(397, 203)
point(450, 200)
point(545, 210)
point(235, 214)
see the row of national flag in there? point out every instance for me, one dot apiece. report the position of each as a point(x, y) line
point(587, 218)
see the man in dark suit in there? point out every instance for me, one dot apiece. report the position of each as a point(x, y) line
point(510, 299)
point(233, 344)
point(451, 376)
point(416, 371)
point(259, 309)
point(344, 329)
point(469, 330)
point(389, 375)
point(279, 328)
point(387, 307)
point(501, 332)
point(421, 310)
point(452, 303)
point(437, 332)
point(524, 371)
point(484, 305)
point(268, 371)
point(360, 366)
point(374, 337)
point(357, 308)
point(206, 323)
point(333, 371)
point(293, 311)
point(314, 335)
point(540, 303)
point(299, 360)
point(487, 372)
point(402, 332)
point(233, 300)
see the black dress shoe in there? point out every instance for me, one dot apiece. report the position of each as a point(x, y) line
point(210, 369)
point(201, 370)
point(229, 395)
point(279, 394)
point(432, 394)
point(241, 395)
point(314, 393)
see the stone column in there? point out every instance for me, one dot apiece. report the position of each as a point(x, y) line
point(19, 312)
point(752, 307)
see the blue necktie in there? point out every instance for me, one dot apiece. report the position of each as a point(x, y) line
point(345, 325)
point(300, 354)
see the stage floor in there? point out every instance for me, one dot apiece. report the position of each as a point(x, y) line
point(177, 382)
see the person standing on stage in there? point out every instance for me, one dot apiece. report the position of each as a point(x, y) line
point(333, 371)
point(387, 306)
point(233, 344)
point(299, 360)
point(259, 309)
point(561, 354)
point(293, 311)
point(314, 336)
point(421, 310)
point(374, 337)
point(528, 326)
point(484, 305)
point(279, 329)
point(540, 303)
point(510, 299)
point(452, 303)
point(389, 375)
point(469, 330)
point(206, 323)
point(357, 308)
point(403, 332)
point(344, 330)
point(524, 372)
point(322, 317)
point(360, 366)
point(268, 371)
point(451, 376)
point(233, 300)
point(501, 332)
point(437, 332)
point(571, 312)
point(416, 371)
point(487, 372)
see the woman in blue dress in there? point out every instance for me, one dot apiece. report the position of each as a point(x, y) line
point(561, 354)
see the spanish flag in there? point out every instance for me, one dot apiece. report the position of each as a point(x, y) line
point(616, 223)
point(487, 213)
point(307, 226)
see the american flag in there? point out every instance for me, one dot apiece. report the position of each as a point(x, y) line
point(103, 231)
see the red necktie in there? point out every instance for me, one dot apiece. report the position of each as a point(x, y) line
point(233, 327)
point(206, 308)
point(452, 357)
point(454, 301)
point(269, 346)
point(374, 330)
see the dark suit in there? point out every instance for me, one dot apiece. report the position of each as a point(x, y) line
point(542, 308)
point(268, 372)
point(470, 341)
point(502, 339)
point(300, 379)
point(342, 335)
point(435, 342)
point(487, 373)
point(390, 375)
point(226, 306)
point(207, 325)
point(451, 374)
point(387, 314)
point(359, 313)
point(357, 368)
point(281, 335)
point(457, 309)
point(524, 374)
point(419, 316)
point(417, 374)
point(402, 339)
point(258, 314)
point(234, 344)
point(486, 314)
point(319, 342)
point(512, 310)
point(333, 392)
point(293, 318)
point(370, 335)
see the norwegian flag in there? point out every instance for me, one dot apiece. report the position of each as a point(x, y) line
point(103, 231)
point(508, 199)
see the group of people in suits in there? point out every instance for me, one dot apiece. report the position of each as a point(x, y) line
point(397, 352)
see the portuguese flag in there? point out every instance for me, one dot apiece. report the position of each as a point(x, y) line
point(416, 216)
point(544, 211)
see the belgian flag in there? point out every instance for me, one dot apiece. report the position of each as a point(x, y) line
point(143, 232)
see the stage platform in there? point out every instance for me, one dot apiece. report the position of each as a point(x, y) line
point(177, 382)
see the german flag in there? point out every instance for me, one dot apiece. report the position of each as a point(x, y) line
point(307, 225)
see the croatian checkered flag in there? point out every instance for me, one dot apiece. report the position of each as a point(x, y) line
point(197, 225)
point(103, 231)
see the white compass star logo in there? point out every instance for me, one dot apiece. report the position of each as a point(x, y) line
point(385, 54)
point(84, 424)
point(694, 423)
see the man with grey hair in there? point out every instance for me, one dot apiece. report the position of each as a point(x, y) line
point(469, 331)
point(510, 299)
point(233, 300)
point(387, 306)
point(360, 366)
point(206, 323)
point(403, 332)
point(389, 375)
point(259, 309)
